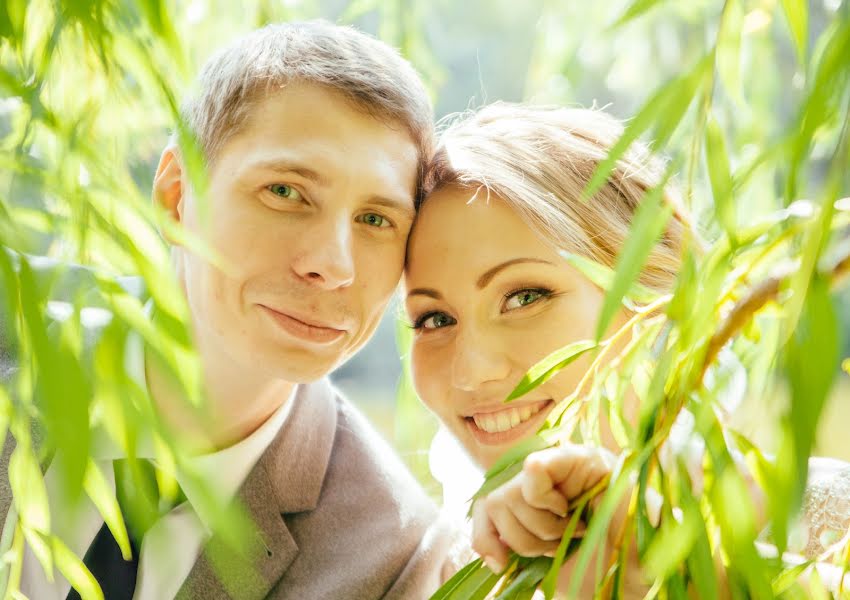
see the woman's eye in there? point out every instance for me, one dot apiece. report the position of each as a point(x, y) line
point(436, 320)
point(281, 190)
point(373, 220)
point(522, 298)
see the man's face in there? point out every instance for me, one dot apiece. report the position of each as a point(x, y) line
point(310, 205)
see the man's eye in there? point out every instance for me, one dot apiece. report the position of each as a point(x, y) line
point(434, 320)
point(522, 298)
point(281, 190)
point(373, 220)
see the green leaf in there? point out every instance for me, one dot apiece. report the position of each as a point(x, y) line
point(797, 14)
point(509, 464)
point(788, 578)
point(102, 496)
point(527, 579)
point(75, 572)
point(550, 581)
point(811, 357)
point(648, 223)
point(549, 366)
point(603, 276)
point(477, 585)
point(673, 543)
point(728, 53)
point(448, 589)
point(635, 9)
point(721, 180)
point(665, 108)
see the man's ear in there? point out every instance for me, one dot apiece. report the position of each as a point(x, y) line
point(168, 188)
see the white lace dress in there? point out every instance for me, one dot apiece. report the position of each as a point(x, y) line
point(826, 508)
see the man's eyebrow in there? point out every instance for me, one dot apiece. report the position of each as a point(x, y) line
point(402, 206)
point(490, 273)
point(282, 166)
point(431, 293)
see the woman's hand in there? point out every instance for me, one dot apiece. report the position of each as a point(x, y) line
point(529, 513)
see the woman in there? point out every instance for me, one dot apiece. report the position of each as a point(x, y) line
point(489, 294)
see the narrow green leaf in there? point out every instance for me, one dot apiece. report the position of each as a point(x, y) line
point(728, 54)
point(509, 465)
point(527, 579)
point(549, 366)
point(635, 9)
point(789, 577)
point(673, 544)
point(721, 180)
point(811, 357)
point(28, 489)
point(797, 14)
point(75, 572)
point(649, 221)
point(665, 108)
point(603, 276)
point(477, 586)
point(447, 589)
point(550, 581)
point(102, 496)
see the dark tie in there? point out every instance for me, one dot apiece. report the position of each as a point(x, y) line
point(136, 490)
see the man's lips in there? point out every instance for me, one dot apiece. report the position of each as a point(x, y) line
point(304, 328)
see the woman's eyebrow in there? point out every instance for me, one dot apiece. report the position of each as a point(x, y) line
point(431, 293)
point(490, 273)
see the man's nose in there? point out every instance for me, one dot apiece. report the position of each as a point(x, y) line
point(477, 361)
point(326, 258)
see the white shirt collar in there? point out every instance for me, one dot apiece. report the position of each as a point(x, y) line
point(226, 469)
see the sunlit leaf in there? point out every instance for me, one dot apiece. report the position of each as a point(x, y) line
point(75, 572)
point(649, 221)
point(550, 581)
point(510, 463)
point(603, 277)
point(527, 580)
point(635, 9)
point(728, 58)
point(549, 367)
point(797, 14)
point(665, 109)
point(103, 497)
point(445, 592)
point(721, 180)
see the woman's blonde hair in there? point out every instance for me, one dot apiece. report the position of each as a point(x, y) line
point(540, 160)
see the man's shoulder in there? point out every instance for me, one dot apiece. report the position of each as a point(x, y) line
point(374, 529)
point(362, 454)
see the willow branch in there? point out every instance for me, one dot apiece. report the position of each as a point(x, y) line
point(758, 296)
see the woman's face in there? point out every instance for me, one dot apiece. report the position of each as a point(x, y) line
point(488, 299)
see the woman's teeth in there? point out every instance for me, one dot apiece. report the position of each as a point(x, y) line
point(504, 420)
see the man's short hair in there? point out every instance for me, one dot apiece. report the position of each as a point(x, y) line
point(370, 74)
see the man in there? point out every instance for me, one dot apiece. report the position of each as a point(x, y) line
point(314, 138)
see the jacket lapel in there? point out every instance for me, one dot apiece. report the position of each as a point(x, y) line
point(288, 478)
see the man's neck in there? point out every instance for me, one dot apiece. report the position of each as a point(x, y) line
point(235, 404)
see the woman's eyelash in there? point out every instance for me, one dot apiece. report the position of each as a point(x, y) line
point(419, 321)
point(544, 292)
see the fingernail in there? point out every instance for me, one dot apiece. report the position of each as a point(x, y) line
point(492, 564)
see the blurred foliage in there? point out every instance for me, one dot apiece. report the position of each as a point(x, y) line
point(749, 97)
point(752, 149)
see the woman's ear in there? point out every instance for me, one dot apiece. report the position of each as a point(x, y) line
point(168, 188)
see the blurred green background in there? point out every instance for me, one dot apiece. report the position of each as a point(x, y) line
point(469, 53)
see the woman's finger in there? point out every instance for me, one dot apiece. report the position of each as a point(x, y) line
point(485, 539)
